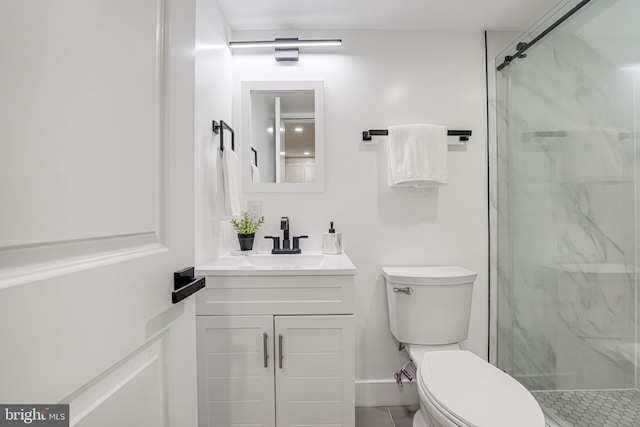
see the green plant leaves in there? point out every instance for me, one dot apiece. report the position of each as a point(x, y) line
point(246, 225)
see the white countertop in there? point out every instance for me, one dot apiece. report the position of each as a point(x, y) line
point(307, 263)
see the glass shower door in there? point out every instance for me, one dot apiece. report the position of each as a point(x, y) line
point(567, 295)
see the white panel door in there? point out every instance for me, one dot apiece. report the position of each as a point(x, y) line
point(96, 208)
point(314, 370)
point(235, 371)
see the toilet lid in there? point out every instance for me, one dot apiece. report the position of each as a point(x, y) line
point(475, 392)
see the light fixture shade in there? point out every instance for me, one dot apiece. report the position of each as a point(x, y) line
point(287, 54)
point(284, 43)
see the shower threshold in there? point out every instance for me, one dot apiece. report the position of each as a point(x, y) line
point(590, 408)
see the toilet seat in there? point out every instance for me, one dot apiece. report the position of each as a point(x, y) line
point(471, 392)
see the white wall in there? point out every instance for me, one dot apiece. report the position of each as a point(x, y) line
point(212, 102)
point(374, 80)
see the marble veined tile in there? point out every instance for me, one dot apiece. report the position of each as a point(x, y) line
point(593, 224)
point(564, 216)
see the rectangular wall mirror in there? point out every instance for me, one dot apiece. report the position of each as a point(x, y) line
point(282, 136)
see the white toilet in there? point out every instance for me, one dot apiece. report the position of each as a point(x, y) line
point(429, 309)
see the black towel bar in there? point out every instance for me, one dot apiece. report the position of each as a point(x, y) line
point(216, 129)
point(367, 134)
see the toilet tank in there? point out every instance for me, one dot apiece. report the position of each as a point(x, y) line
point(429, 305)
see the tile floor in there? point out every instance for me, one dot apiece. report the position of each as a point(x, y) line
point(586, 408)
point(385, 416)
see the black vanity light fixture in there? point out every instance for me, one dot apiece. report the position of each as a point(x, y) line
point(285, 49)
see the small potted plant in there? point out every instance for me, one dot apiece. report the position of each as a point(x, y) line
point(246, 228)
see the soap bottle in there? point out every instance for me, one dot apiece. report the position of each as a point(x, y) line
point(332, 242)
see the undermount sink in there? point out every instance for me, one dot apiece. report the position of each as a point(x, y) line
point(307, 264)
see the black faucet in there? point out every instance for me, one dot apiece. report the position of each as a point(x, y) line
point(286, 243)
point(284, 226)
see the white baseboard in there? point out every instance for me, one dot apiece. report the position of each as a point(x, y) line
point(385, 393)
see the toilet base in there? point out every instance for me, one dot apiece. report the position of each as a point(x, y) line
point(419, 421)
point(430, 415)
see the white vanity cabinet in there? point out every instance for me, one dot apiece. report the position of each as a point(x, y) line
point(314, 370)
point(276, 350)
point(250, 365)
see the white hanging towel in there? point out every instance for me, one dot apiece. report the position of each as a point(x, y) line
point(255, 174)
point(417, 156)
point(219, 208)
point(230, 172)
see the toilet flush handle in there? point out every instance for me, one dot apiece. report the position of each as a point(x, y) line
point(408, 290)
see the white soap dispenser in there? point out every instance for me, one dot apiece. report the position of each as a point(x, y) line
point(332, 242)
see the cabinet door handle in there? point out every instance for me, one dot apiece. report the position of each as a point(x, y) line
point(265, 344)
point(280, 338)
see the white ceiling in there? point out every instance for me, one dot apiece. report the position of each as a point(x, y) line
point(433, 15)
point(614, 33)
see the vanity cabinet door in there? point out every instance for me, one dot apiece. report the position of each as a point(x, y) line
point(235, 371)
point(314, 370)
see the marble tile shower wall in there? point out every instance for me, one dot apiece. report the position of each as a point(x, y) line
point(566, 249)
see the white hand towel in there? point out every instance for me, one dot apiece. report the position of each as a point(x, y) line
point(590, 155)
point(230, 172)
point(255, 174)
point(218, 208)
point(417, 156)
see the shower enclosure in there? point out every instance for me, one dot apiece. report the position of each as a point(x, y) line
point(567, 165)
